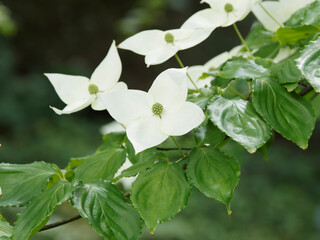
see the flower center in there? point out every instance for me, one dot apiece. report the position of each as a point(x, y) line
point(169, 38)
point(157, 109)
point(228, 7)
point(93, 89)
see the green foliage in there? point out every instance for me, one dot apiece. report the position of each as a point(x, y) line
point(295, 35)
point(160, 193)
point(107, 211)
point(308, 15)
point(5, 228)
point(39, 210)
point(238, 119)
point(214, 174)
point(207, 133)
point(20, 183)
point(309, 63)
point(290, 115)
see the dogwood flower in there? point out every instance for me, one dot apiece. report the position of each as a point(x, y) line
point(151, 117)
point(195, 72)
point(158, 46)
point(79, 92)
point(222, 13)
point(280, 11)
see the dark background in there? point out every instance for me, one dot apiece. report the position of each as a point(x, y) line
point(276, 199)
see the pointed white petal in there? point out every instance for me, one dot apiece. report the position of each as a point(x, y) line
point(170, 88)
point(144, 42)
point(69, 88)
point(206, 18)
point(188, 117)
point(112, 127)
point(107, 74)
point(275, 9)
point(127, 105)
point(120, 86)
point(76, 106)
point(187, 38)
point(217, 60)
point(160, 55)
point(145, 133)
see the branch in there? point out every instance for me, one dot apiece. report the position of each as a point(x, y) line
point(57, 224)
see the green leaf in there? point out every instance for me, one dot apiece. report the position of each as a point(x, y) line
point(308, 15)
point(112, 140)
point(293, 36)
point(143, 161)
point(101, 165)
point(20, 183)
point(39, 210)
point(107, 211)
point(291, 86)
point(201, 99)
point(241, 68)
point(5, 228)
point(239, 120)
point(207, 133)
point(309, 64)
point(286, 71)
point(160, 193)
point(289, 114)
point(215, 174)
point(262, 42)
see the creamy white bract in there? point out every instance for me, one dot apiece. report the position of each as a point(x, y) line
point(151, 117)
point(80, 92)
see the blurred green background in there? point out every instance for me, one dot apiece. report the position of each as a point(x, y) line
point(276, 199)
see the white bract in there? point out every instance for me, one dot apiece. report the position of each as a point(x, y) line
point(158, 46)
point(195, 72)
point(222, 13)
point(281, 11)
point(151, 117)
point(79, 92)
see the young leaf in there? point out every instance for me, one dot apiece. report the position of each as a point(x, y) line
point(20, 183)
point(309, 15)
point(293, 36)
point(214, 174)
point(107, 211)
point(5, 228)
point(289, 114)
point(286, 71)
point(101, 165)
point(39, 210)
point(309, 64)
point(201, 99)
point(241, 68)
point(160, 193)
point(239, 120)
point(112, 140)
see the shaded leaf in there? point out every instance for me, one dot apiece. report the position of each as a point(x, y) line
point(160, 193)
point(107, 211)
point(238, 119)
point(201, 99)
point(207, 133)
point(293, 36)
point(21, 182)
point(289, 114)
point(39, 210)
point(214, 174)
point(5, 228)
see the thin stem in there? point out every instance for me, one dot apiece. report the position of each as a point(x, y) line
point(270, 15)
point(57, 224)
point(179, 148)
point(182, 66)
point(242, 39)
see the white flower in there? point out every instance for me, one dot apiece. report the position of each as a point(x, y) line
point(158, 46)
point(281, 11)
point(284, 53)
point(151, 117)
point(112, 127)
point(79, 92)
point(195, 72)
point(222, 13)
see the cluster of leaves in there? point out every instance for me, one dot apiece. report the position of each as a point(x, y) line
point(248, 99)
